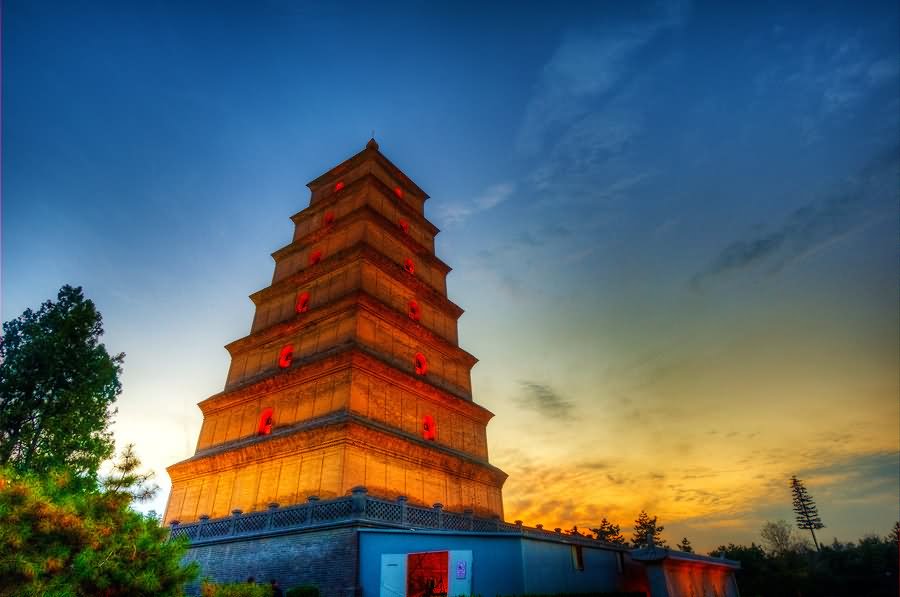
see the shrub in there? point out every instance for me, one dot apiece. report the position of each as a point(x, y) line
point(303, 591)
point(235, 589)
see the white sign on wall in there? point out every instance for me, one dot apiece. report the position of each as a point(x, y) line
point(461, 577)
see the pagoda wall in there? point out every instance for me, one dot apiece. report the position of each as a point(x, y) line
point(358, 390)
point(366, 325)
point(365, 192)
point(382, 176)
point(375, 233)
point(328, 462)
point(359, 274)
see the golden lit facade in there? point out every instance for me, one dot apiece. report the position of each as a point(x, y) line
point(352, 374)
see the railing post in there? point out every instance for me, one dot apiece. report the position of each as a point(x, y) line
point(519, 525)
point(439, 509)
point(358, 501)
point(401, 499)
point(204, 518)
point(470, 516)
point(272, 507)
point(235, 514)
point(497, 521)
point(310, 506)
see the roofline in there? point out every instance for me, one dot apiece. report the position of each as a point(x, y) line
point(373, 151)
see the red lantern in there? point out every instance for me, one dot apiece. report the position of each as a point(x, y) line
point(421, 364)
point(328, 218)
point(315, 257)
point(429, 428)
point(409, 266)
point(266, 422)
point(404, 225)
point(338, 186)
point(302, 304)
point(286, 356)
point(415, 311)
point(399, 192)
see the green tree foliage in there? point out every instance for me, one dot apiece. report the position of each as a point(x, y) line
point(57, 538)
point(57, 388)
point(609, 533)
point(805, 509)
point(235, 589)
point(685, 545)
point(646, 528)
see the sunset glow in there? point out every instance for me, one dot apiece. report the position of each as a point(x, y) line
point(672, 228)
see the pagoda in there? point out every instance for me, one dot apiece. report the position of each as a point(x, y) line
point(352, 374)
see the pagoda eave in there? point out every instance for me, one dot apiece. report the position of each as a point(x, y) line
point(358, 160)
point(344, 357)
point(330, 431)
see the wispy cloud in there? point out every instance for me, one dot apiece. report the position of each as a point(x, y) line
point(814, 225)
point(582, 122)
point(545, 400)
point(587, 66)
point(491, 197)
point(832, 76)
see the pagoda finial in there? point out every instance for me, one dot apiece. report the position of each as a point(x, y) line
point(372, 144)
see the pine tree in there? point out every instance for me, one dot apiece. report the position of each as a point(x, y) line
point(609, 533)
point(645, 530)
point(58, 385)
point(685, 545)
point(59, 539)
point(805, 509)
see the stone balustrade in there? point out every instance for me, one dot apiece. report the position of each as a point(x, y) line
point(357, 508)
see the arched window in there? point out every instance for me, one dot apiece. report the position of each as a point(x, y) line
point(429, 428)
point(302, 304)
point(286, 356)
point(315, 257)
point(415, 311)
point(404, 225)
point(399, 192)
point(409, 266)
point(338, 186)
point(421, 364)
point(266, 421)
point(328, 218)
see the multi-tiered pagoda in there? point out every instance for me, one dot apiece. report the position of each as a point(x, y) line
point(352, 374)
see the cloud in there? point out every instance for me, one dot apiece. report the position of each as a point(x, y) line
point(855, 478)
point(491, 197)
point(814, 225)
point(545, 400)
point(832, 76)
point(586, 114)
point(587, 66)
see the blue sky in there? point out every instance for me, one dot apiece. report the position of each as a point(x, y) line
point(673, 226)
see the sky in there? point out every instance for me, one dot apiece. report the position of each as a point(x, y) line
point(673, 227)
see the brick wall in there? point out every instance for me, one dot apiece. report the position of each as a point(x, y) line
point(325, 558)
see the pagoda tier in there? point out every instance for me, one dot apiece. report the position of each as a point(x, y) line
point(352, 373)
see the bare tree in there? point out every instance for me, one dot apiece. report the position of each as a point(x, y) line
point(780, 538)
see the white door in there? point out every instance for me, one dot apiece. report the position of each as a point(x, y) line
point(460, 573)
point(393, 575)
